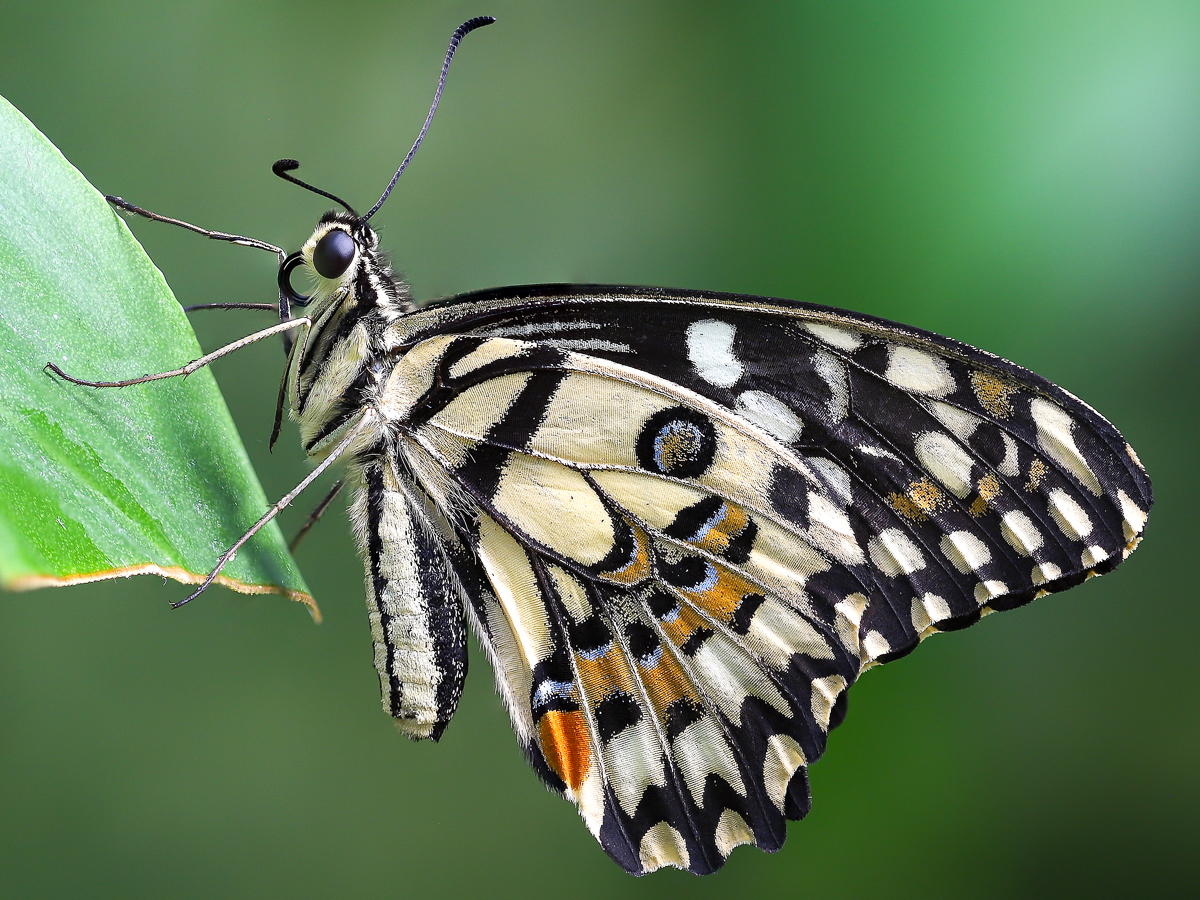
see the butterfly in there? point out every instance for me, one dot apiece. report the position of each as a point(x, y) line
point(681, 523)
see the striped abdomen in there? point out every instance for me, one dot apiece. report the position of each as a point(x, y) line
point(414, 600)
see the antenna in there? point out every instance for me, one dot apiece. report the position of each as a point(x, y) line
point(459, 33)
point(283, 166)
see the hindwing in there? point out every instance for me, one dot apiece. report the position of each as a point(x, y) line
point(699, 517)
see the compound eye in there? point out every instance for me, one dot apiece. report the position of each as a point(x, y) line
point(333, 253)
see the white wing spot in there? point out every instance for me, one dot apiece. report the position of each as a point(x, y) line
point(1009, 466)
point(1069, 516)
point(868, 450)
point(1054, 428)
point(829, 529)
point(837, 477)
point(966, 552)
point(1093, 555)
point(1020, 532)
point(915, 370)
point(875, 645)
point(770, 414)
point(946, 461)
point(986, 590)
point(894, 553)
point(834, 337)
point(1135, 517)
point(961, 423)
point(710, 349)
point(1044, 572)
point(834, 373)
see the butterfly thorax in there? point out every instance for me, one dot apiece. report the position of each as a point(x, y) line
point(338, 368)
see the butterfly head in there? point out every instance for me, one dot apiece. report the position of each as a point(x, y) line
point(343, 260)
point(344, 246)
point(337, 250)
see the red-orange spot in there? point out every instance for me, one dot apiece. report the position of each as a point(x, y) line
point(566, 745)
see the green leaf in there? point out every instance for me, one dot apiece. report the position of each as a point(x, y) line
point(97, 483)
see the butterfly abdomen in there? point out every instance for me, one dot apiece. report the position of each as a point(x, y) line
point(414, 601)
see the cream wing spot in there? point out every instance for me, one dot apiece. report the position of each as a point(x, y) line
point(577, 424)
point(770, 414)
point(571, 593)
point(556, 507)
point(514, 678)
point(662, 846)
point(1135, 517)
point(702, 749)
point(732, 831)
point(966, 552)
point(1054, 435)
point(1044, 572)
point(710, 350)
point(1093, 555)
point(516, 587)
point(783, 758)
point(919, 616)
point(944, 459)
point(874, 646)
point(776, 632)
point(894, 553)
point(915, 370)
point(473, 412)
point(986, 590)
point(849, 619)
point(487, 352)
point(1069, 516)
point(825, 692)
point(636, 754)
point(590, 800)
point(936, 608)
point(831, 370)
point(1020, 532)
point(838, 338)
point(729, 678)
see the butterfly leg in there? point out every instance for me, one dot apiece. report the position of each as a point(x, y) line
point(368, 417)
point(315, 515)
point(238, 239)
point(194, 364)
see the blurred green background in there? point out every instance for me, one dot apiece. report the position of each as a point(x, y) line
point(1024, 176)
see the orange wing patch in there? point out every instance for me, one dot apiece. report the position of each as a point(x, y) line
point(567, 745)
